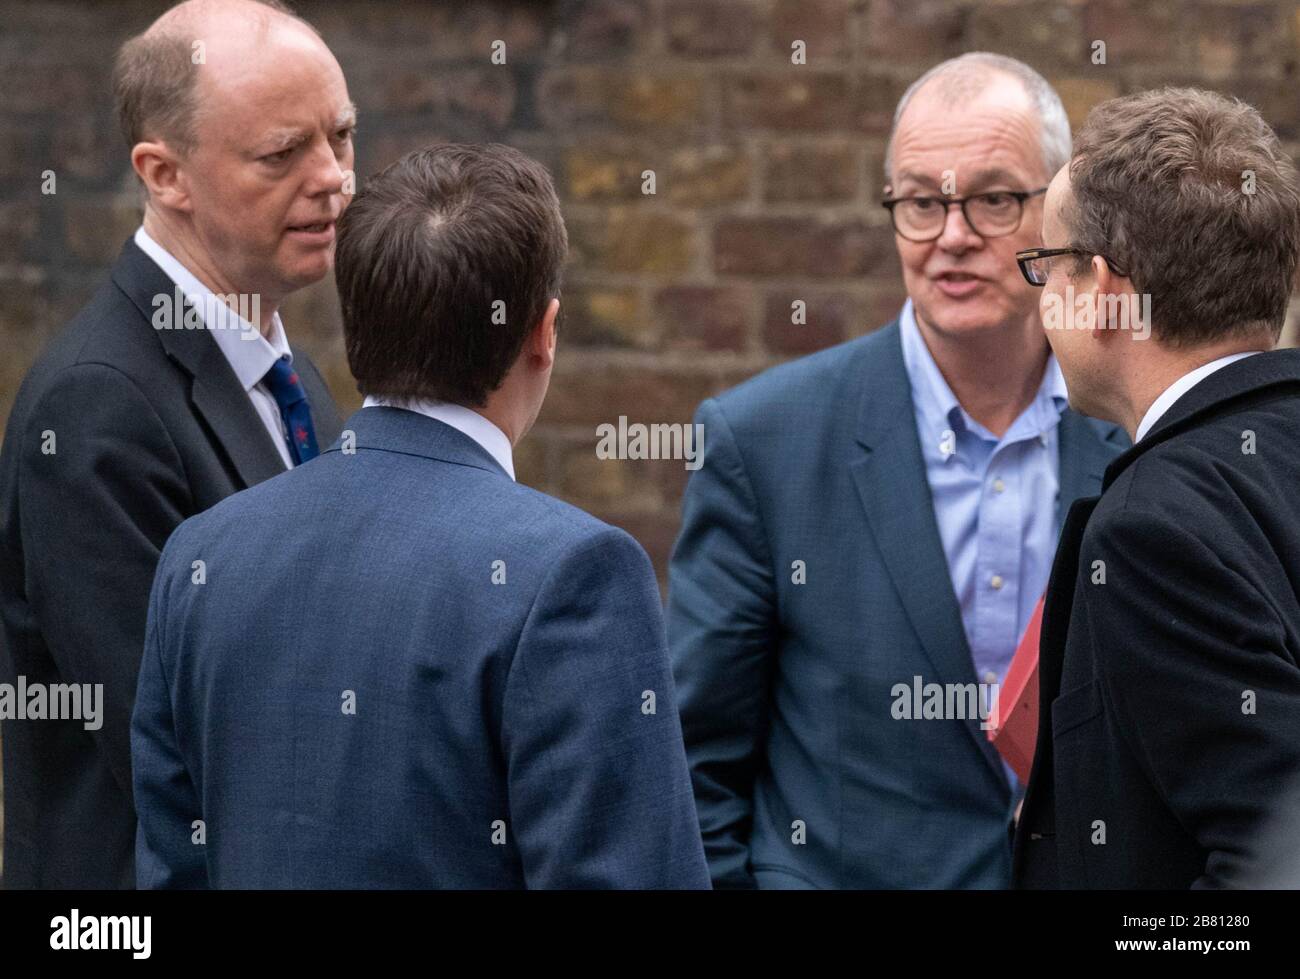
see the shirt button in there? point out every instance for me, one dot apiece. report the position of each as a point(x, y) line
point(998, 485)
point(996, 581)
point(947, 443)
point(990, 676)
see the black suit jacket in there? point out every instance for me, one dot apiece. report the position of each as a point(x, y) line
point(1169, 663)
point(150, 427)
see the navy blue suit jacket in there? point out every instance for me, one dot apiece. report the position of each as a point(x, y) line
point(403, 669)
point(152, 427)
point(802, 776)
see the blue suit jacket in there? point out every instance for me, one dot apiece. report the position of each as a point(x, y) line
point(403, 669)
point(785, 688)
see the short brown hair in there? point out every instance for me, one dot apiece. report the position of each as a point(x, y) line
point(154, 84)
point(445, 261)
point(1190, 193)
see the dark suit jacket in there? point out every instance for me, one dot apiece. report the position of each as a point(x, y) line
point(1169, 723)
point(785, 687)
point(513, 720)
point(151, 426)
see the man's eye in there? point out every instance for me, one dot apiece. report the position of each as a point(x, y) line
point(280, 157)
point(998, 199)
point(343, 135)
point(923, 203)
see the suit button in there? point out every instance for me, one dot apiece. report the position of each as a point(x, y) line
point(996, 582)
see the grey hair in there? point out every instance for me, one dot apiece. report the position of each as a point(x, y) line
point(967, 75)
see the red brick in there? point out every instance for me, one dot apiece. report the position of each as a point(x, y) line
point(875, 97)
point(705, 176)
point(797, 246)
point(605, 29)
point(431, 30)
point(1045, 34)
point(646, 393)
point(710, 27)
point(884, 299)
point(826, 320)
point(605, 174)
point(589, 96)
point(593, 483)
point(20, 223)
point(96, 228)
point(818, 172)
point(625, 239)
point(457, 97)
point(604, 316)
point(1145, 35)
point(1253, 38)
point(796, 98)
point(704, 317)
point(922, 32)
point(823, 26)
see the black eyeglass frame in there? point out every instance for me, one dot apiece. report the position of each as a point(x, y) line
point(889, 203)
point(1023, 258)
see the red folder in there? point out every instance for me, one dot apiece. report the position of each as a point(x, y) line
point(1014, 716)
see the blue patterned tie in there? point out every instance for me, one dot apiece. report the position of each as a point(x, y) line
point(283, 381)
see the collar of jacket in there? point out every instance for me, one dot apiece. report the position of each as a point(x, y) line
point(1242, 380)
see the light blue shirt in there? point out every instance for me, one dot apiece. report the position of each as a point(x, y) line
point(995, 501)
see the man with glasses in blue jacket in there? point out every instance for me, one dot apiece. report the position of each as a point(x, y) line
point(876, 522)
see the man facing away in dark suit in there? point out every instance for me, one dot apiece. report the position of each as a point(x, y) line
point(880, 517)
point(400, 667)
point(172, 389)
point(1169, 705)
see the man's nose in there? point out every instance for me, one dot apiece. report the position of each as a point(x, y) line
point(327, 173)
point(957, 234)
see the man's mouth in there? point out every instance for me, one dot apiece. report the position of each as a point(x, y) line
point(957, 284)
point(317, 235)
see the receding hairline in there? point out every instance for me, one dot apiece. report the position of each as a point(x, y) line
point(193, 18)
point(964, 79)
point(154, 57)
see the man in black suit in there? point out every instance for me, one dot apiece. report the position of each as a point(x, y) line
point(1169, 726)
point(172, 389)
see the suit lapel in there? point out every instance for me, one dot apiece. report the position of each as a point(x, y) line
point(895, 493)
point(1057, 610)
point(218, 397)
point(1084, 453)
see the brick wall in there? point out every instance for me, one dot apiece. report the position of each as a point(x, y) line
point(767, 173)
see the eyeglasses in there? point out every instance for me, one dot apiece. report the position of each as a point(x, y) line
point(990, 215)
point(1034, 263)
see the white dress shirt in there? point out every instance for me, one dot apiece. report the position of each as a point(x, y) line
point(1181, 387)
point(471, 423)
point(250, 354)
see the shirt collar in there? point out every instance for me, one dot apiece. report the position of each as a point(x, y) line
point(1181, 387)
point(250, 354)
point(939, 409)
point(464, 420)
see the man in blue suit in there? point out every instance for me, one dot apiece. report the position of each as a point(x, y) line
point(398, 667)
point(880, 518)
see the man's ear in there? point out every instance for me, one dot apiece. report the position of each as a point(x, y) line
point(1105, 309)
point(159, 167)
point(541, 342)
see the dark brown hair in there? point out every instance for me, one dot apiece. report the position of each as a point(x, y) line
point(445, 261)
point(1192, 195)
point(155, 82)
